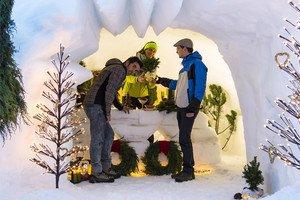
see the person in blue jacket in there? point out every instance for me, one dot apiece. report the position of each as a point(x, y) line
point(189, 92)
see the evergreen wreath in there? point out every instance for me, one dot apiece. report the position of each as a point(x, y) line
point(152, 164)
point(128, 156)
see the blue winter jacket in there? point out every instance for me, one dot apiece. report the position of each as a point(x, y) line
point(197, 73)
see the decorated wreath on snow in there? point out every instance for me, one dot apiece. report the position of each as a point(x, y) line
point(151, 159)
point(127, 155)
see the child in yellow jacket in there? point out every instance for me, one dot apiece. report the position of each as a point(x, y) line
point(139, 89)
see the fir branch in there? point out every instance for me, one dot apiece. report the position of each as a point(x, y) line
point(13, 108)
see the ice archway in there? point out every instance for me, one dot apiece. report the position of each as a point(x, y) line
point(245, 33)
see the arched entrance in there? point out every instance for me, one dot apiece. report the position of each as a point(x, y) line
point(127, 44)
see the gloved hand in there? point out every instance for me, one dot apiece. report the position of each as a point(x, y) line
point(126, 101)
point(126, 109)
point(163, 81)
point(194, 106)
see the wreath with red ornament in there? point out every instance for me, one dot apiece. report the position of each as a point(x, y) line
point(152, 164)
point(128, 157)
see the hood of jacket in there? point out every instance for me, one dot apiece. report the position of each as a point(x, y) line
point(192, 57)
point(114, 61)
point(189, 59)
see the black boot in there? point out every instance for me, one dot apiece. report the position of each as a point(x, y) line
point(185, 177)
point(173, 176)
point(100, 178)
point(111, 173)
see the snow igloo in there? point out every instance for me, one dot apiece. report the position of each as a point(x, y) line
point(242, 34)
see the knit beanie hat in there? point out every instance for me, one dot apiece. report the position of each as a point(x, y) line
point(150, 45)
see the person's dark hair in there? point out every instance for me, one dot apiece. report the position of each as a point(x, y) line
point(142, 51)
point(134, 59)
point(190, 50)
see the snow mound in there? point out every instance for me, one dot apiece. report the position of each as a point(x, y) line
point(287, 193)
point(48, 194)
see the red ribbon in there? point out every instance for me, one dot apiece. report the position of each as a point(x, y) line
point(116, 146)
point(164, 146)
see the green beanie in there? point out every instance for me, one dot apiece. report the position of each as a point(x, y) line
point(150, 45)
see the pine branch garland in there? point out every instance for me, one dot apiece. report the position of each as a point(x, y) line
point(12, 103)
point(168, 104)
point(150, 64)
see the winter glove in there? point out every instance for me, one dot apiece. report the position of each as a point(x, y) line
point(193, 106)
point(163, 81)
point(126, 101)
point(117, 104)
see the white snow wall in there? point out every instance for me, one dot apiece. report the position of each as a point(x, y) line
point(245, 32)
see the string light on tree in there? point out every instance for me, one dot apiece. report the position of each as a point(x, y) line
point(284, 127)
point(58, 123)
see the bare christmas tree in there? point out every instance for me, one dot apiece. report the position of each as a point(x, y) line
point(285, 126)
point(58, 124)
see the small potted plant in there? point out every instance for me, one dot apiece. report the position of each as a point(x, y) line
point(254, 178)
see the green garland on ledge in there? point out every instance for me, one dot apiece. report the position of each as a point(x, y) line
point(128, 157)
point(153, 166)
point(12, 104)
point(167, 104)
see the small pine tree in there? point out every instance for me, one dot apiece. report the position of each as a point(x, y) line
point(212, 105)
point(253, 174)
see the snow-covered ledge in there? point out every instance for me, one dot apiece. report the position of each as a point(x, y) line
point(137, 126)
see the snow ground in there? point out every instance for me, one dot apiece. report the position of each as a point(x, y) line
point(222, 183)
point(288, 193)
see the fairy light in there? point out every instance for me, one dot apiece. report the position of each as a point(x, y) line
point(56, 124)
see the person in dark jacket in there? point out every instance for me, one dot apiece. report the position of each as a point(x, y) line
point(84, 87)
point(97, 105)
point(189, 92)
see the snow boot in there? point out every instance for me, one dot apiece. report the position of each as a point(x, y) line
point(100, 178)
point(173, 176)
point(111, 173)
point(185, 177)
